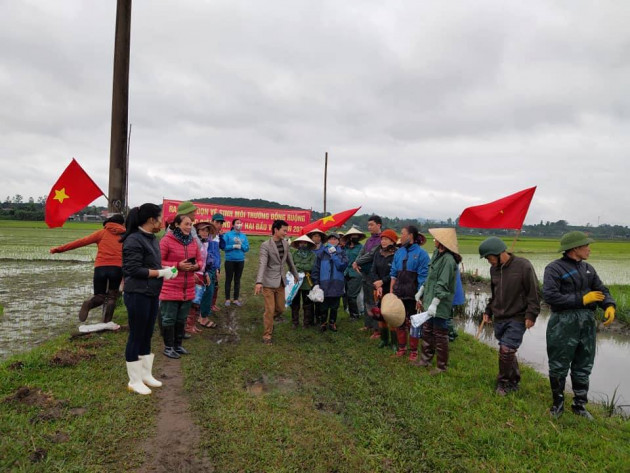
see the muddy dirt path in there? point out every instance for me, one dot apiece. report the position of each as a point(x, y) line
point(174, 448)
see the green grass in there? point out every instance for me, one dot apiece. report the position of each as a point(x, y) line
point(103, 438)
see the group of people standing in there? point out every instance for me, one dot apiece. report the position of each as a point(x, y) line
point(392, 279)
point(362, 275)
point(387, 280)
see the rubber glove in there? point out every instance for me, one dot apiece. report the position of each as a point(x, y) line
point(167, 273)
point(419, 293)
point(237, 246)
point(433, 307)
point(609, 315)
point(593, 296)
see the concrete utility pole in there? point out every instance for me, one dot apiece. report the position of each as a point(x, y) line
point(325, 179)
point(120, 110)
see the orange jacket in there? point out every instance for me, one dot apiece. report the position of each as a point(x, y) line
point(109, 247)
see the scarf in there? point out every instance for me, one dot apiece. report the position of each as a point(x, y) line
point(183, 239)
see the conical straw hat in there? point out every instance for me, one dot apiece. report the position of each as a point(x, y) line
point(393, 310)
point(446, 236)
point(354, 231)
point(305, 238)
point(317, 230)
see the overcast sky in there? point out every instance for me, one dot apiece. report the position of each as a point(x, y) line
point(425, 107)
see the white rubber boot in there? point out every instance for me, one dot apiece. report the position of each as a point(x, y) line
point(147, 366)
point(134, 370)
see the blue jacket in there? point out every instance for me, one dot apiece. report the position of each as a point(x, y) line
point(213, 261)
point(417, 260)
point(460, 295)
point(231, 253)
point(328, 271)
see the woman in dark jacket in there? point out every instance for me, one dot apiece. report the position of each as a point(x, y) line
point(142, 269)
point(380, 277)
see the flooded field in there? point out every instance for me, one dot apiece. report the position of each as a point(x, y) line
point(610, 371)
point(611, 270)
point(41, 300)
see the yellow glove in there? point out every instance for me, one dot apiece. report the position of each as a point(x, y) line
point(609, 315)
point(593, 296)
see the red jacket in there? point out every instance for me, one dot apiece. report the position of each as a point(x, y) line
point(109, 251)
point(182, 287)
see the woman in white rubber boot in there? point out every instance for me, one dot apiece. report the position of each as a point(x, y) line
point(142, 269)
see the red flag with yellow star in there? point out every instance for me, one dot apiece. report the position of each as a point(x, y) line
point(508, 213)
point(73, 191)
point(326, 223)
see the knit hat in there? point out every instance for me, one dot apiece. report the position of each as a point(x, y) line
point(295, 243)
point(446, 236)
point(186, 207)
point(354, 231)
point(391, 234)
point(393, 310)
point(573, 240)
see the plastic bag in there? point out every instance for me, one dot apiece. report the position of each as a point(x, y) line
point(98, 327)
point(418, 319)
point(316, 294)
point(292, 287)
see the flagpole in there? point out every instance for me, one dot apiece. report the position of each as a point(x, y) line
point(518, 232)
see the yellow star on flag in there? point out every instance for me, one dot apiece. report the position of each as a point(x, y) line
point(61, 195)
point(330, 218)
point(501, 211)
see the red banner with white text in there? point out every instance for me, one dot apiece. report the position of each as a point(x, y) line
point(256, 221)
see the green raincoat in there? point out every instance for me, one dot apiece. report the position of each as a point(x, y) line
point(441, 283)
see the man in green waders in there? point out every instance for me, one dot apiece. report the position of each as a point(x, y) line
point(573, 290)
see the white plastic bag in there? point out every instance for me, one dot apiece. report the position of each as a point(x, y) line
point(98, 327)
point(418, 319)
point(316, 294)
point(292, 287)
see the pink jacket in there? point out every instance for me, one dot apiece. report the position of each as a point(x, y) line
point(181, 288)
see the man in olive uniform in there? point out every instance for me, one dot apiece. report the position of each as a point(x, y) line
point(513, 307)
point(573, 290)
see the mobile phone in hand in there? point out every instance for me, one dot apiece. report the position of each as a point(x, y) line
point(191, 260)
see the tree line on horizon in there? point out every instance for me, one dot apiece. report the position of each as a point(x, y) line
point(16, 208)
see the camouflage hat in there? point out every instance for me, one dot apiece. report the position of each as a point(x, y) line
point(573, 240)
point(491, 246)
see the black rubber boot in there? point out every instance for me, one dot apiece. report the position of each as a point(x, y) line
point(94, 301)
point(180, 328)
point(580, 398)
point(110, 305)
point(168, 332)
point(557, 391)
point(507, 356)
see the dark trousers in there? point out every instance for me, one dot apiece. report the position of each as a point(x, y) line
point(107, 277)
point(142, 311)
point(233, 269)
point(328, 310)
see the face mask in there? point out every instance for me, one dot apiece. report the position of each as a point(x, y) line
point(238, 226)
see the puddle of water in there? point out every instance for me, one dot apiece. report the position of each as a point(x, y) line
point(613, 271)
point(610, 370)
point(40, 300)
